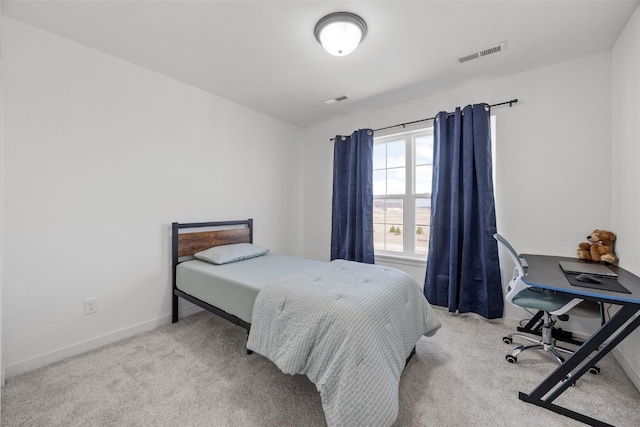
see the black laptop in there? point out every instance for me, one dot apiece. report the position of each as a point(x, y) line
point(598, 270)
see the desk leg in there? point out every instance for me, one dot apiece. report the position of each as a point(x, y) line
point(537, 396)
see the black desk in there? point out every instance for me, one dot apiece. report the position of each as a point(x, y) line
point(545, 272)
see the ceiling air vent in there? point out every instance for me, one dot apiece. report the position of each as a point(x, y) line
point(336, 99)
point(500, 47)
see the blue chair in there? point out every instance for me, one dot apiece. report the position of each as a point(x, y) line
point(547, 301)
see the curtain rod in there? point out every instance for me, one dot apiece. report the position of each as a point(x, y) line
point(513, 101)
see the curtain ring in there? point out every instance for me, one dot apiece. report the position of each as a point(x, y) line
point(369, 132)
point(344, 138)
point(486, 107)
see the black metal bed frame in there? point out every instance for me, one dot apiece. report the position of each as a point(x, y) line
point(175, 260)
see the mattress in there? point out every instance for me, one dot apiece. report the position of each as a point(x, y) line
point(233, 287)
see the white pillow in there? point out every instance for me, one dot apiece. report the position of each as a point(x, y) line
point(230, 253)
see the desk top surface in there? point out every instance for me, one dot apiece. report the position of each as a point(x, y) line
point(544, 272)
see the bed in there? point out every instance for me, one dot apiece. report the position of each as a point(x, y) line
point(236, 284)
point(349, 327)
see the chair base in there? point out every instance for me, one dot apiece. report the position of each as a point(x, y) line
point(547, 343)
point(537, 344)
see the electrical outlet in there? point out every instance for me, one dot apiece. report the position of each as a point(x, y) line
point(90, 305)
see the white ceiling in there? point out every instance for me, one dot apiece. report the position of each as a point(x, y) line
point(263, 54)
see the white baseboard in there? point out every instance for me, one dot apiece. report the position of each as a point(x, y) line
point(92, 344)
point(626, 367)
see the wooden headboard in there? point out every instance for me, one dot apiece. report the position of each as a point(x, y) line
point(187, 244)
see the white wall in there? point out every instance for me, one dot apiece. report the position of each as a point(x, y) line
point(548, 146)
point(625, 149)
point(100, 156)
point(1, 216)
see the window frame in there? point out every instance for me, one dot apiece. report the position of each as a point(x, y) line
point(409, 197)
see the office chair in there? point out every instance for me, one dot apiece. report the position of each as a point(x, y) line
point(548, 302)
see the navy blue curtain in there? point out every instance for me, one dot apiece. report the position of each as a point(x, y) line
point(463, 272)
point(352, 215)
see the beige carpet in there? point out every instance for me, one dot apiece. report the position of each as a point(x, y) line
point(196, 373)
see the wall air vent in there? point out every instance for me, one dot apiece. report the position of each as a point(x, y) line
point(500, 47)
point(336, 99)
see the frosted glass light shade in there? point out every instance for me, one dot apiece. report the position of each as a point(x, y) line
point(340, 33)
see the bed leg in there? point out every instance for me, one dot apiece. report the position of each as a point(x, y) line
point(248, 351)
point(174, 317)
point(410, 356)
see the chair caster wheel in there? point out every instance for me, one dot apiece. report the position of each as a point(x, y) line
point(594, 370)
point(511, 359)
point(507, 340)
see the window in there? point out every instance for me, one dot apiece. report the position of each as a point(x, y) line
point(402, 174)
point(402, 167)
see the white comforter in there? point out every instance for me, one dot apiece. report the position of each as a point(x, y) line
point(349, 327)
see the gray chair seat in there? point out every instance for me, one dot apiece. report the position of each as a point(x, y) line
point(547, 300)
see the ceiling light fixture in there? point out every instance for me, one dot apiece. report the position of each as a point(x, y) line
point(340, 33)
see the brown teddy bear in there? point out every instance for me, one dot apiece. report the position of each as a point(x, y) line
point(599, 247)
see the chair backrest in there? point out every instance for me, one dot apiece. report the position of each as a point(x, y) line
point(515, 284)
point(512, 252)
